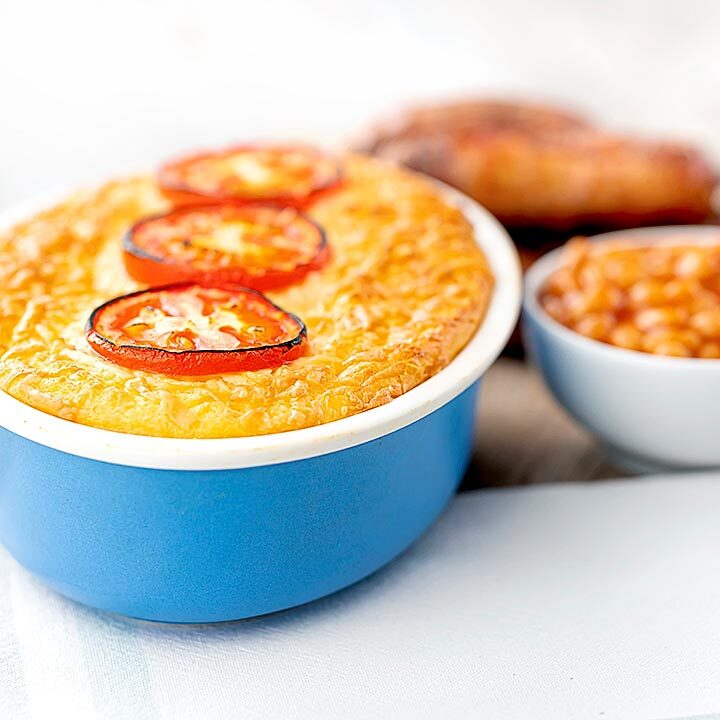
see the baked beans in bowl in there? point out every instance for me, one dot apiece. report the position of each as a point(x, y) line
point(625, 328)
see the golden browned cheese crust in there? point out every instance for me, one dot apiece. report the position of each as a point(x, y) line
point(405, 290)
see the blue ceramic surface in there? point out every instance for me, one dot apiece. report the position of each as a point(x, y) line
point(204, 546)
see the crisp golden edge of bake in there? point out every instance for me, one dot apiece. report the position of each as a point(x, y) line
point(405, 290)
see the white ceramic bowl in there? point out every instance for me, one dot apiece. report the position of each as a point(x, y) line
point(651, 412)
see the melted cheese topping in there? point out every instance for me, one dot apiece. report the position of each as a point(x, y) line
point(404, 291)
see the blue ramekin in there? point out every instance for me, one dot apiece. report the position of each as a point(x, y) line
point(212, 530)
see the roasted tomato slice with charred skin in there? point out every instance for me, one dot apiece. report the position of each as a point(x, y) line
point(256, 246)
point(289, 175)
point(189, 329)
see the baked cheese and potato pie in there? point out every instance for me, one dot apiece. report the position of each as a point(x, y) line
point(245, 291)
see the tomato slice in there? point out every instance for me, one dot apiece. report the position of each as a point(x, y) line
point(287, 175)
point(257, 246)
point(190, 329)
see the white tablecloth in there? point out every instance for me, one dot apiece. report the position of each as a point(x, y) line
point(568, 601)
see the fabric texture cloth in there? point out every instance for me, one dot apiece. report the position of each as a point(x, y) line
point(557, 601)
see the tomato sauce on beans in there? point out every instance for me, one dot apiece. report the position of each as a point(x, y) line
point(662, 299)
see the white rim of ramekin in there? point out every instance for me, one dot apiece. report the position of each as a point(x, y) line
point(541, 270)
point(234, 453)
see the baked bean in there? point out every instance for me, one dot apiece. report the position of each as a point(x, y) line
point(707, 323)
point(661, 299)
point(680, 291)
point(592, 300)
point(561, 281)
point(658, 336)
point(646, 293)
point(660, 317)
point(555, 307)
point(673, 348)
point(693, 262)
point(709, 350)
point(597, 326)
point(627, 336)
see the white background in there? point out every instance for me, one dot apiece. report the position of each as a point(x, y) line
point(89, 87)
